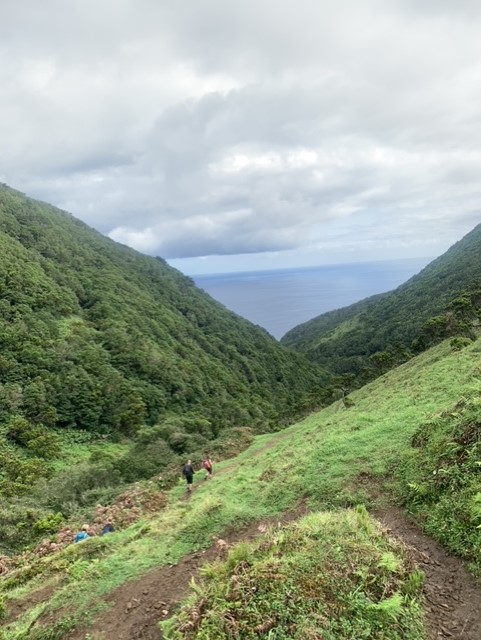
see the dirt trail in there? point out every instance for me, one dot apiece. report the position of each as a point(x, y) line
point(140, 604)
point(452, 597)
point(453, 600)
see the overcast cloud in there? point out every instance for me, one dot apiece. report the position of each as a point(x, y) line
point(314, 131)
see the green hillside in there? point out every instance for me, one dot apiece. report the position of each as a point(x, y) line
point(98, 338)
point(343, 340)
point(421, 416)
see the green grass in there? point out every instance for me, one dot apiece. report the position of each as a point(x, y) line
point(320, 460)
point(344, 327)
point(78, 446)
point(440, 479)
point(331, 575)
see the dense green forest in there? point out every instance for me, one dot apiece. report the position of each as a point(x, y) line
point(372, 335)
point(99, 338)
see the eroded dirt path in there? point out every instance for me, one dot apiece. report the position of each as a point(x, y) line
point(140, 605)
point(453, 599)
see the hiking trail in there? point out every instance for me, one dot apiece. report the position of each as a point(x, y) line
point(452, 597)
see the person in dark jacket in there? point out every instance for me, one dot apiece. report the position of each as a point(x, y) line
point(108, 528)
point(188, 473)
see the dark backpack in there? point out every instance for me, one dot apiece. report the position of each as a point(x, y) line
point(188, 470)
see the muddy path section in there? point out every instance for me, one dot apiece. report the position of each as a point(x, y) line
point(16, 608)
point(452, 596)
point(140, 605)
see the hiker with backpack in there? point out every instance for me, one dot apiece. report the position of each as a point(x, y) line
point(83, 534)
point(208, 465)
point(188, 473)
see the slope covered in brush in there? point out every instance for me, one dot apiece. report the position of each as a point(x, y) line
point(98, 336)
point(343, 340)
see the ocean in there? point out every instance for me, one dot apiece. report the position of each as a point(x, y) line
point(279, 300)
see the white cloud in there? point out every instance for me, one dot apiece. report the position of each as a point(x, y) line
point(189, 129)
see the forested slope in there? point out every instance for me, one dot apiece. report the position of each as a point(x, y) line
point(343, 340)
point(98, 336)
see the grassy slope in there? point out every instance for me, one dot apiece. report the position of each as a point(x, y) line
point(320, 459)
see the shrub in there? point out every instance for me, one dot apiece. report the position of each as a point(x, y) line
point(35, 437)
point(79, 486)
point(145, 461)
point(17, 524)
point(460, 342)
point(48, 524)
point(19, 473)
point(3, 609)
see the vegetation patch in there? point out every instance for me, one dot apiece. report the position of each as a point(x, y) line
point(440, 480)
point(330, 575)
point(366, 339)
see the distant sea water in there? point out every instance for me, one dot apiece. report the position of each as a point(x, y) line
point(279, 300)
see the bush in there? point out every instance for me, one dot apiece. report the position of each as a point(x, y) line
point(460, 342)
point(48, 524)
point(20, 474)
point(79, 486)
point(3, 609)
point(143, 462)
point(17, 524)
point(36, 438)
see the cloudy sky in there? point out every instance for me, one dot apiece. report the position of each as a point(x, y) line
point(226, 135)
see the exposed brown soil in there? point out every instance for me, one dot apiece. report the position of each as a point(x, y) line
point(139, 605)
point(452, 597)
point(17, 607)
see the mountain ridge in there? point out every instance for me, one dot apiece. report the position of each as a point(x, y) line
point(343, 340)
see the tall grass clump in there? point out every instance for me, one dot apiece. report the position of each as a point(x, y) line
point(330, 575)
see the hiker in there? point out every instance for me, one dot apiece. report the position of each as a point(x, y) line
point(209, 467)
point(83, 534)
point(108, 528)
point(188, 473)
